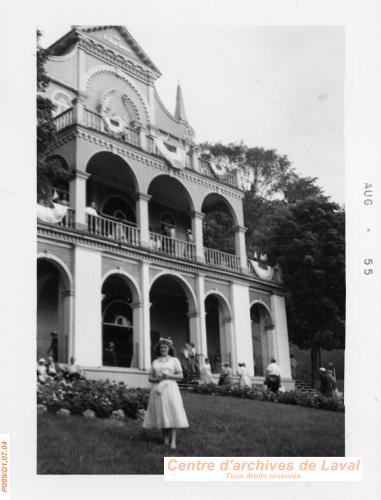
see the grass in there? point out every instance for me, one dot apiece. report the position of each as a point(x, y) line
point(218, 427)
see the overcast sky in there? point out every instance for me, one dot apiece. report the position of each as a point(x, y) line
point(275, 87)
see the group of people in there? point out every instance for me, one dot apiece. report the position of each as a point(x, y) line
point(49, 370)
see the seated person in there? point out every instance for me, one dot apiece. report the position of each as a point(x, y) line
point(42, 375)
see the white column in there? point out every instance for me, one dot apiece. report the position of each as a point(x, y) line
point(87, 349)
point(278, 307)
point(197, 218)
point(242, 338)
point(202, 343)
point(240, 246)
point(78, 197)
point(145, 321)
point(142, 216)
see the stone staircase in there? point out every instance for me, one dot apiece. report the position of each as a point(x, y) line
point(302, 386)
point(189, 383)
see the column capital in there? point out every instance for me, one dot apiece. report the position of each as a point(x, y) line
point(193, 314)
point(240, 229)
point(198, 215)
point(80, 98)
point(136, 305)
point(67, 293)
point(80, 174)
point(142, 197)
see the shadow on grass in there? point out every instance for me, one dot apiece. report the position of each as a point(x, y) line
point(218, 427)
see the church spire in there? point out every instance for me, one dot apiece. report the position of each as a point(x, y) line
point(180, 110)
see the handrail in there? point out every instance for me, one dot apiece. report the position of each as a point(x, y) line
point(115, 230)
point(63, 120)
point(172, 246)
point(69, 220)
point(228, 178)
point(225, 260)
point(95, 121)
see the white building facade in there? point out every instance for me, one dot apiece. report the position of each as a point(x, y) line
point(121, 255)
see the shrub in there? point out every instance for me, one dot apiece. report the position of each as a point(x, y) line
point(291, 397)
point(83, 396)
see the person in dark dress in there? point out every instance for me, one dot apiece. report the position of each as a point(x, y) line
point(53, 348)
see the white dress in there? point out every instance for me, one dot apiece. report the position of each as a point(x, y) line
point(244, 379)
point(206, 376)
point(165, 405)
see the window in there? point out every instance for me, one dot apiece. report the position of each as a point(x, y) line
point(62, 102)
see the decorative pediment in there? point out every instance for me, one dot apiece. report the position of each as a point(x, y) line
point(118, 38)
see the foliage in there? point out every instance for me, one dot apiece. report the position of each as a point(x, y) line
point(308, 240)
point(101, 397)
point(298, 398)
point(270, 169)
point(48, 170)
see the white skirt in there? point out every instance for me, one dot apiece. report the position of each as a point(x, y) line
point(165, 407)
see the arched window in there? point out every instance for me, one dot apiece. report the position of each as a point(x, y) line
point(117, 334)
point(62, 102)
point(120, 209)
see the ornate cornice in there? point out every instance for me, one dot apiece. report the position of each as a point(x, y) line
point(76, 237)
point(110, 56)
point(155, 161)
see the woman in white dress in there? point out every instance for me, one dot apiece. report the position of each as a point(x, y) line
point(206, 376)
point(165, 406)
point(244, 379)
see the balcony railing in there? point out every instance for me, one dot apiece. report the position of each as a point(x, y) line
point(64, 119)
point(95, 121)
point(228, 178)
point(69, 220)
point(221, 259)
point(124, 233)
point(113, 229)
point(172, 246)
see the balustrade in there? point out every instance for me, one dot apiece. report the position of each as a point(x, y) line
point(95, 121)
point(172, 246)
point(113, 229)
point(64, 119)
point(228, 178)
point(221, 259)
point(69, 220)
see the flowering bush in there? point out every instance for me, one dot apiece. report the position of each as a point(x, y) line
point(101, 397)
point(292, 397)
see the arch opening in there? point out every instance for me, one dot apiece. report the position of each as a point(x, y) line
point(118, 340)
point(111, 187)
point(218, 334)
point(261, 329)
point(171, 302)
point(170, 208)
point(53, 311)
point(218, 224)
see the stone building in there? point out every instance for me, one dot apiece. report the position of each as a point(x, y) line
point(121, 260)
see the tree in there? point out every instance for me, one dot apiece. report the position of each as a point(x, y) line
point(48, 170)
point(308, 240)
point(271, 172)
point(270, 169)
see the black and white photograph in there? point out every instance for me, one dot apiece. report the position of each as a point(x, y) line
point(191, 208)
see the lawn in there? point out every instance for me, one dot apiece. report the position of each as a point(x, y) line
point(219, 426)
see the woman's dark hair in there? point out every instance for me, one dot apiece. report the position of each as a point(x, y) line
point(171, 350)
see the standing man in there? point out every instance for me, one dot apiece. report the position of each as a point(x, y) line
point(273, 376)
